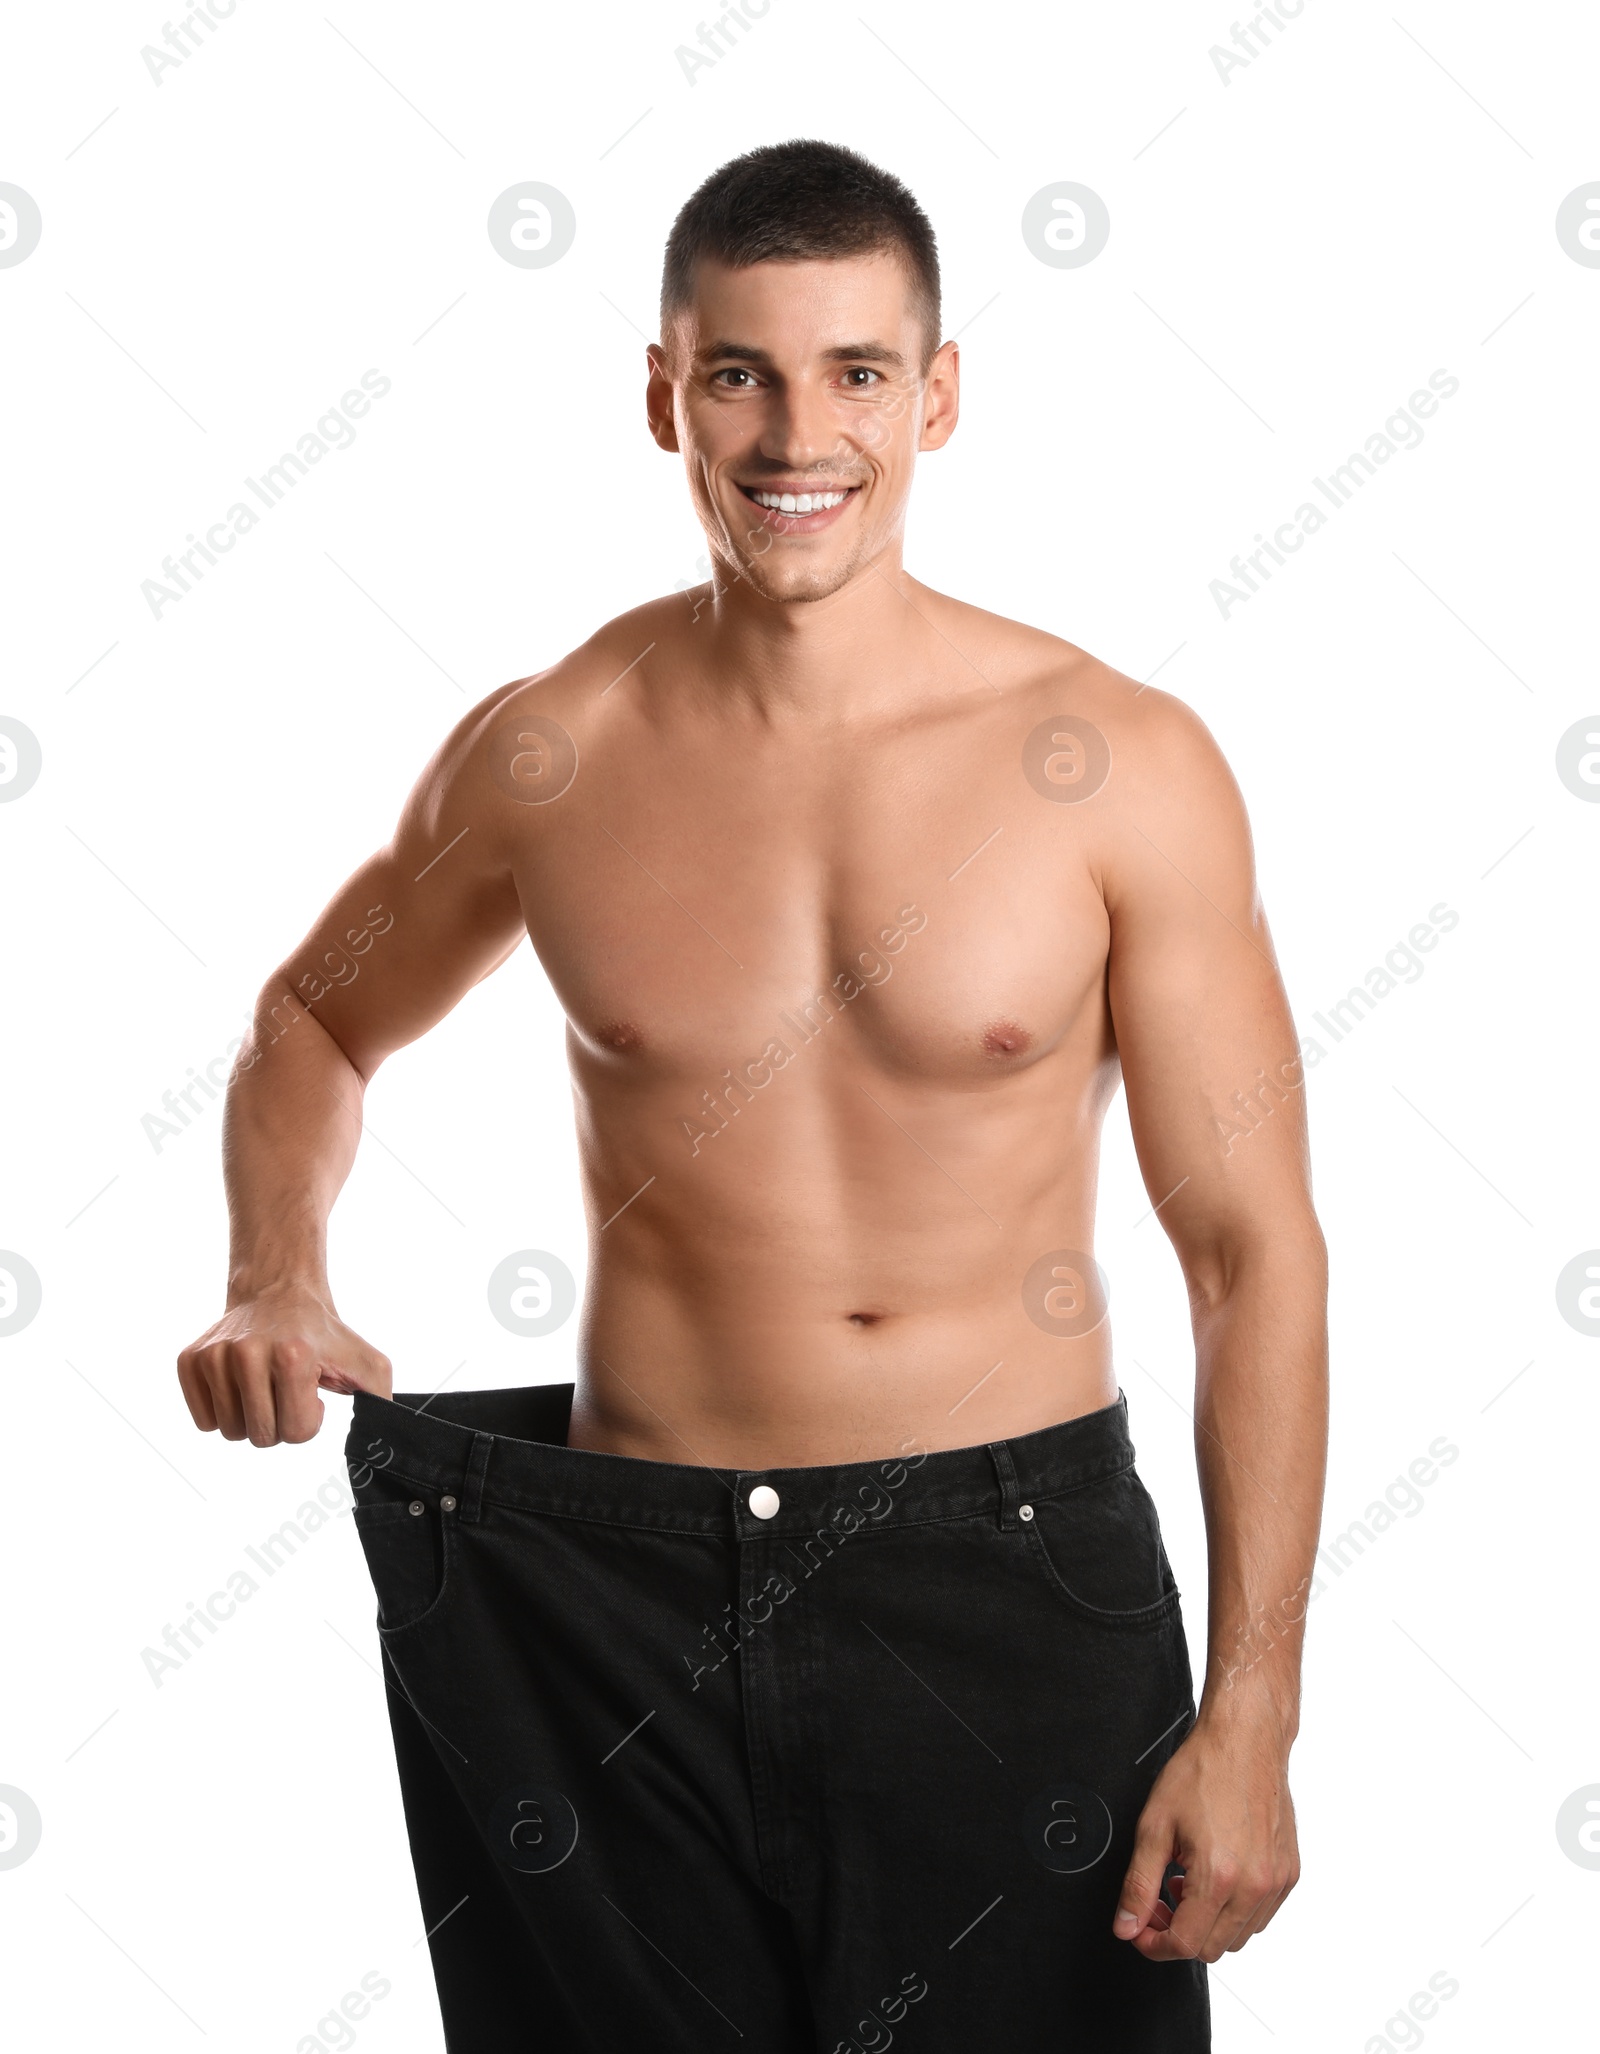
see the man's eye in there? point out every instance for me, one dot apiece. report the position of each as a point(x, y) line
point(860, 378)
point(733, 371)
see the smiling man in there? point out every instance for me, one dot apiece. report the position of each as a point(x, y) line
point(813, 1669)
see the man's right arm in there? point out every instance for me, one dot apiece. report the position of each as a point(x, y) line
point(413, 929)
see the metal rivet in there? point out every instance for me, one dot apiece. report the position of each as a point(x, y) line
point(1024, 1511)
point(447, 1504)
point(764, 1501)
point(416, 1508)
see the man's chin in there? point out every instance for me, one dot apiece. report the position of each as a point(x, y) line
point(796, 584)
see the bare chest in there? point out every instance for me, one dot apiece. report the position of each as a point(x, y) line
point(917, 906)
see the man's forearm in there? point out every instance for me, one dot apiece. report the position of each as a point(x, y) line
point(1261, 1408)
point(291, 1128)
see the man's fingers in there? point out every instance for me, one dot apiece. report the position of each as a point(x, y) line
point(1216, 1916)
point(1162, 1911)
point(196, 1393)
point(368, 1372)
point(1208, 1888)
point(1141, 1886)
point(250, 1367)
point(1267, 1910)
point(1257, 1919)
point(1172, 1944)
point(1252, 1925)
point(294, 1383)
point(223, 1392)
point(257, 1374)
point(1236, 1922)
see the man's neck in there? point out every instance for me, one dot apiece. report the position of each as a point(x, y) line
point(859, 651)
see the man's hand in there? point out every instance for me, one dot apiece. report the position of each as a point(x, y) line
point(1221, 1808)
point(257, 1372)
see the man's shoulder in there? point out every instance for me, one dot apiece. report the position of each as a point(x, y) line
point(578, 684)
point(1159, 747)
point(1160, 809)
point(523, 741)
point(1042, 676)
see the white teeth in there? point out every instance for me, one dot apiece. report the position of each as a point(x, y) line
point(799, 502)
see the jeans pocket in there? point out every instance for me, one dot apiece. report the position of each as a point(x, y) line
point(1099, 1547)
point(408, 1537)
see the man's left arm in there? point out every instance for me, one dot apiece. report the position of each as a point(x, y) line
point(1216, 1102)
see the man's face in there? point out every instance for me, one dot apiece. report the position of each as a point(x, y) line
point(801, 381)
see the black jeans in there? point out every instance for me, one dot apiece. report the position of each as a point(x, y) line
point(678, 1775)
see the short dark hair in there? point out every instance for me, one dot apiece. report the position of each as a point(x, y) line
point(801, 199)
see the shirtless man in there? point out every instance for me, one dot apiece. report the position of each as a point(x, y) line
point(821, 1676)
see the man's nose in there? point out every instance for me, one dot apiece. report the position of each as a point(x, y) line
point(802, 432)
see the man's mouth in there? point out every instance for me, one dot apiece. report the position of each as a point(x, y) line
point(790, 511)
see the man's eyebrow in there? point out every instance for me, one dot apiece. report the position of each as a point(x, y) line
point(745, 352)
point(865, 353)
point(845, 353)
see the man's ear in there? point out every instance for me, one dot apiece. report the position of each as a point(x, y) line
point(658, 406)
point(941, 402)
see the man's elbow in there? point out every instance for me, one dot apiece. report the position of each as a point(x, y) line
point(287, 1019)
point(1237, 1255)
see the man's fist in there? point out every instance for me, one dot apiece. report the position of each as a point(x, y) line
point(255, 1374)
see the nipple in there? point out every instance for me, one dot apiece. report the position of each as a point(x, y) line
point(1006, 1038)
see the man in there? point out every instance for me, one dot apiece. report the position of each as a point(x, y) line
point(813, 1671)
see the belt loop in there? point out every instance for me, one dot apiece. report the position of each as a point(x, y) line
point(477, 1470)
point(1010, 1491)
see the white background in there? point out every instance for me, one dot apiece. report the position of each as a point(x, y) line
point(1298, 248)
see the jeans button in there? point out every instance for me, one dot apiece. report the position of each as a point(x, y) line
point(1024, 1511)
point(763, 1501)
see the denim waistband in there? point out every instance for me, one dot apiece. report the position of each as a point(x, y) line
point(508, 1447)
